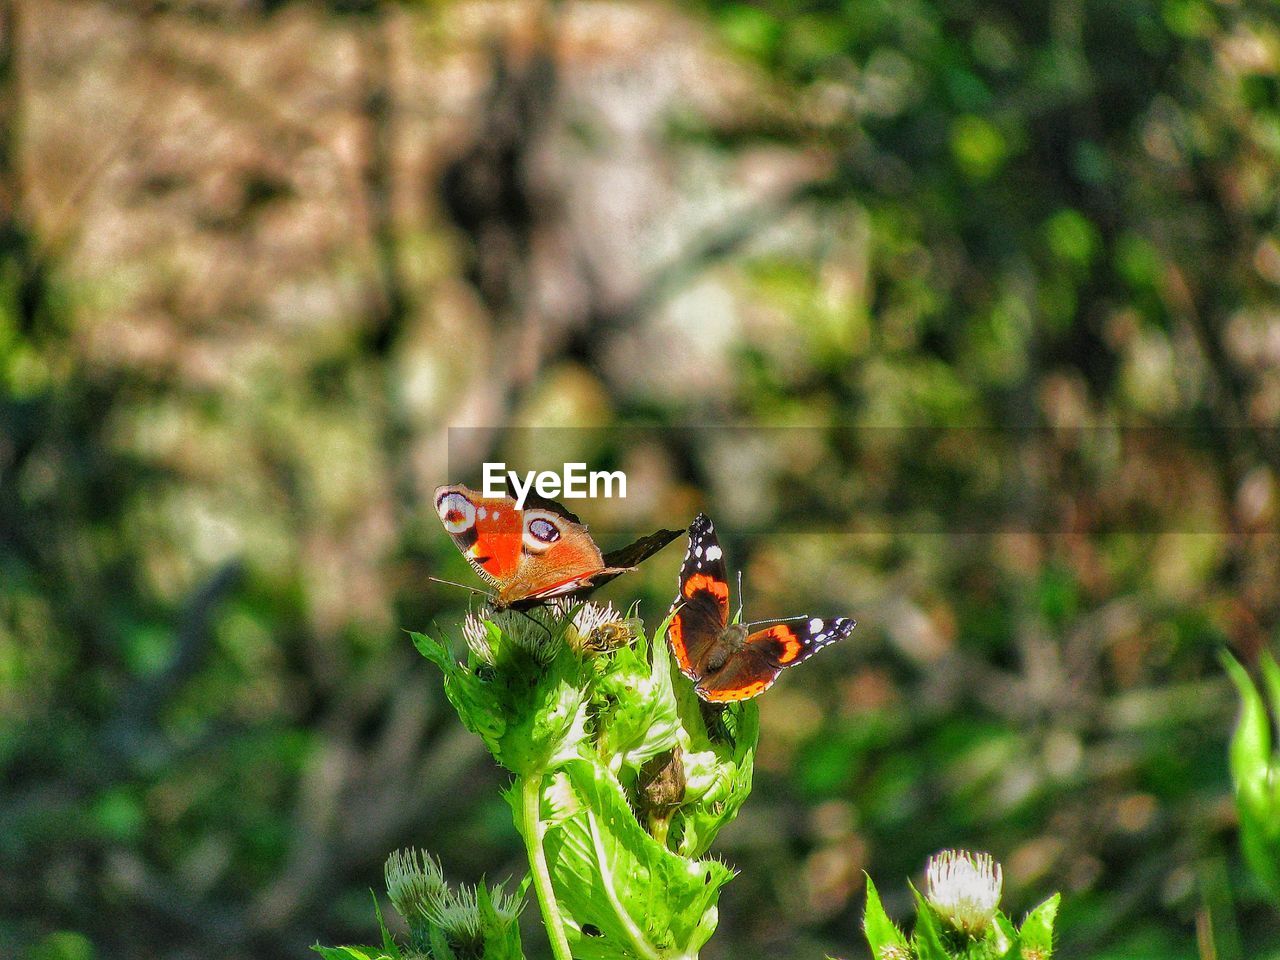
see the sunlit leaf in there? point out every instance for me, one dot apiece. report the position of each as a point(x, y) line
point(627, 894)
point(1036, 932)
point(881, 932)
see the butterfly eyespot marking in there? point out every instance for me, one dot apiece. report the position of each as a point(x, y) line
point(544, 530)
point(540, 533)
point(456, 512)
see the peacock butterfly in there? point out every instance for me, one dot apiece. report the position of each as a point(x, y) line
point(535, 554)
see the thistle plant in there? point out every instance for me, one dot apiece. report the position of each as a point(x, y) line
point(964, 888)
point(621, 781)
point(959, 917)
point(1255, 771)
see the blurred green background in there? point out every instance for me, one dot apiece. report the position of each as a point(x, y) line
point(257, 257)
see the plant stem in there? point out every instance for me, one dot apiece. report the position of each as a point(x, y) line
point(530, 800)
point(659, 826)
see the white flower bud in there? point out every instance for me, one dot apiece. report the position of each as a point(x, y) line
point(964, 888)
point(476, 633)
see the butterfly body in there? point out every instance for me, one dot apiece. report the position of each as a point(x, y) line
point(726, 661)
point(536, 554)
point(732, 640)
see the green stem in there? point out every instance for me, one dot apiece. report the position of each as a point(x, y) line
point(530, 801)
point(659, 826)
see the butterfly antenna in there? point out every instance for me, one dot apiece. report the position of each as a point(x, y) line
point(741, 599)
point(460, 586)
point(777, 620)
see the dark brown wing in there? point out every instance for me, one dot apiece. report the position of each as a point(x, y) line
point(747, 673)
point(752, 670)
point(701, 610)
point(787, 644)
point(632, 555)
point(636, 553)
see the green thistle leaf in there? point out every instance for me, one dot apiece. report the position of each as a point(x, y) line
point(1002, 939)
point(389, 946)
point(1036, 934)
point(1251, 743)
point(625, 895)
point(929, 939)
point(883, 935)
point(354, 953)
point(498, 914)
point(638, 716)
point(478, 702)
point(531, 714)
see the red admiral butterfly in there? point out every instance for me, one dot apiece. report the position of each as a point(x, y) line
point(535, 554)
point(727, 662)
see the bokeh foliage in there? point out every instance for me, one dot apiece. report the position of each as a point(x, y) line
point(256, 257)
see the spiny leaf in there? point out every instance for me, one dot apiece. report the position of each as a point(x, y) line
point(638, 718)
point(928, 938)
point(1036, 932)
point(389, 945)
point(1002, 939)
point(439, 944)
point(498, 915)
point(354, 953)
point(531, 715)
point(628, 896)
point(882, 933)
point(477, 702)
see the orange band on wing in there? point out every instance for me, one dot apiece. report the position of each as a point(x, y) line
point(675, 633)
point(717, 588)
point(736, 693)
point(791, 646)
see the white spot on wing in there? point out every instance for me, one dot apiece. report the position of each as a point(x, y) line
point(714, 553)
point(815, 624)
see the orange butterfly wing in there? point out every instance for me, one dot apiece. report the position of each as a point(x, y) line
point(535, 554)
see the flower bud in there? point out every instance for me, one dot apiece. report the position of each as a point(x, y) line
point(964, 888)
point(415, 882)
point(475, 630)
